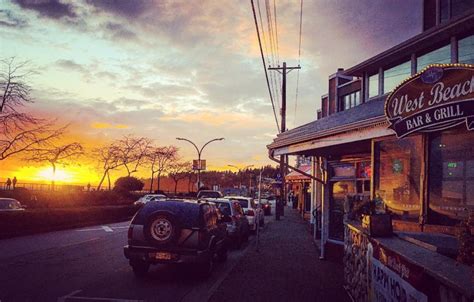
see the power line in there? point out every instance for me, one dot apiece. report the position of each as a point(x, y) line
point(272, 44)
point(277, 43)
point(264, 65)
point(276, 32)
point(299, 61)
point(272, 80)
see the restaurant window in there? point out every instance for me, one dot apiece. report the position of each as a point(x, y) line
point(395, 75)
point(397, 177)
point(349, 190)
point(466, 50)
point(373, 85)
point(439, 56)
point(451, 176)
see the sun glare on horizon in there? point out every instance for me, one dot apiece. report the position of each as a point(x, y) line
point(61, 175)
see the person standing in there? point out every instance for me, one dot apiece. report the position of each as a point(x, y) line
point(14, 182)
point(9, 183)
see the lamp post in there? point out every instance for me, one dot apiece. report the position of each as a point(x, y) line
point(199, 152)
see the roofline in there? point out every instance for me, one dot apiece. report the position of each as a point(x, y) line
point(358, 69)
point(335, 130)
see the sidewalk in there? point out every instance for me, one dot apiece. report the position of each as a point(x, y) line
point(286, 269)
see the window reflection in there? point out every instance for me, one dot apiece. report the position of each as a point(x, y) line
point(395, 75)
point(351, 100)
point(374, 85)
point(466, 50)
point(451, 176)
point(438, 56)
point(398, 178)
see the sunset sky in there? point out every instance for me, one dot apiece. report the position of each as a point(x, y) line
point(163, 69)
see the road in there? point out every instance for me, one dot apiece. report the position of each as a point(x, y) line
point(88, 264)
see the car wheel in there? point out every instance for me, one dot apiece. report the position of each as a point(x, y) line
point(140, 268)
point(162, 228)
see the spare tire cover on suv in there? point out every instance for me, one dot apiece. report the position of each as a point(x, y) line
point(162, 227)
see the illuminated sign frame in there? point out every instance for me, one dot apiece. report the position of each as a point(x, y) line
point(440, 96)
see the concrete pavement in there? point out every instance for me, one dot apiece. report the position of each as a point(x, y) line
point(287, 268)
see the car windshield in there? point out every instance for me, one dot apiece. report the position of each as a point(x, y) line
point(224, 208)
point(209, 195)
point(243, 202)
point(6, 204)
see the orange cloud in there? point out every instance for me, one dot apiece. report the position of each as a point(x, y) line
point(99, 125)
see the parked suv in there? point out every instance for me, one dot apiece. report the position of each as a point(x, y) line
point(238, 227)
point(176, 231)
point(252, 212)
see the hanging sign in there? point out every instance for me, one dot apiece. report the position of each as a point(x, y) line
point(439, 97)
point(199, 164)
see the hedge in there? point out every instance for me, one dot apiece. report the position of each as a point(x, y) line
point(31, 221)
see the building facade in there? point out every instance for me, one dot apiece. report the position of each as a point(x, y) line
point(394, 133)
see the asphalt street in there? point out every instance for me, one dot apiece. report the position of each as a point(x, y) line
point(88, 264)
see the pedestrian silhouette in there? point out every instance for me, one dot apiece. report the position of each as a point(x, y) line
point(88, 187)
point(9, 183)
point(14, 182)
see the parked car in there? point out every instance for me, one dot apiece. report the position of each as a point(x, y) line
point(176, 231)
point(266, 206)
point(149, 197)
point(10, 204)
point(231, 212)
point(254, 215)
point(205, 194)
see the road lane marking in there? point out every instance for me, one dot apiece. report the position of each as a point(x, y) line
point(103, 228)
point(63, 298)
point(76, 298)
point(107, 228)
point(87, 230)
point(80, 242)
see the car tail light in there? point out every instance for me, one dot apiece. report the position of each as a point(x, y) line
point(130, 232)
point(266, 206)
point(250, 213)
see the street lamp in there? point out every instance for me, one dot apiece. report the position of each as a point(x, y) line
point(199, 151)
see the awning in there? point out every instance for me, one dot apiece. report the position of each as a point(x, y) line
point(296, 176)
point(362, 122)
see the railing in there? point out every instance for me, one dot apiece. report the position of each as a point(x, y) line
point(43, 187)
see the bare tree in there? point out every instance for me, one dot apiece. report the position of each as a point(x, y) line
point(132, 152)
point(20, 132)
point(160, 159)
point(16, 92)
point(56, 155)
point(178, 171)
point(192, 178)
point(109, 159)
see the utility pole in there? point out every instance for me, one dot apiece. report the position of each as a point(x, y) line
point(279, 208)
